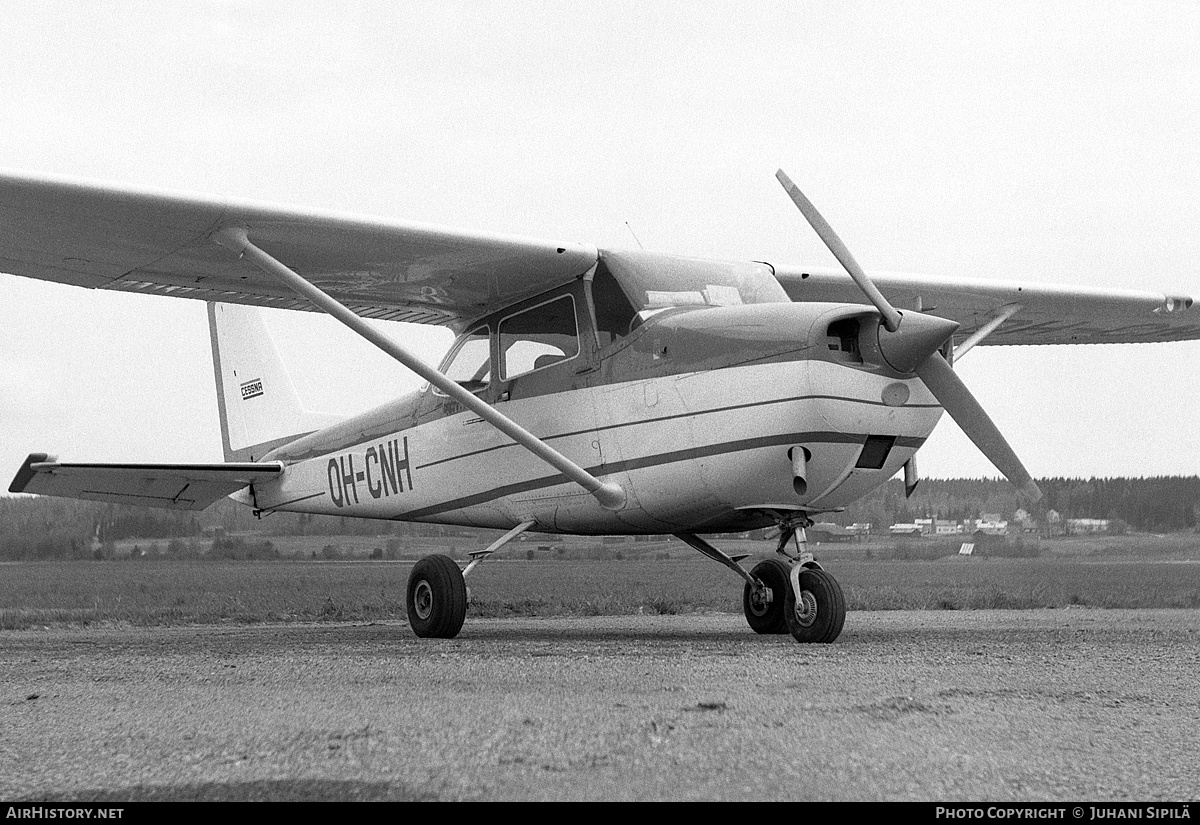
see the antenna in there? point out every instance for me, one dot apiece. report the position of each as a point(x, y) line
point(635, 237)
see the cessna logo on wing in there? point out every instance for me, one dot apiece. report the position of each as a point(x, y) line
point(383, 471)
point(252, 389)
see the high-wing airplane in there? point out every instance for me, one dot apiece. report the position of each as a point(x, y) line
point(589, 391)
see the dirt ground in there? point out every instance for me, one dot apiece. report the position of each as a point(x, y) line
point(1036, 705)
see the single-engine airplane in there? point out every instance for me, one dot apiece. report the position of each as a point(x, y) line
point(589, 391)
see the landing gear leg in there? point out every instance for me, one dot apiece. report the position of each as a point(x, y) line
point(814, 608)
point(792, 528)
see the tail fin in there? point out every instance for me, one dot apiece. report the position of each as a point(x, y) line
point(257, 402)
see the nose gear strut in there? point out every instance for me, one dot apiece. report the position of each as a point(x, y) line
point(792, 528)
point(788, 593)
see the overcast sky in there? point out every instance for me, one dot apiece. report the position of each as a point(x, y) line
point(1047, 142)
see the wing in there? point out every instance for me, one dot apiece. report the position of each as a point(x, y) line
point(1043, 314)
point(140, 240)
point(172, 486)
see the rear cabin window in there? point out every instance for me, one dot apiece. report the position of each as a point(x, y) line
point(538, 337)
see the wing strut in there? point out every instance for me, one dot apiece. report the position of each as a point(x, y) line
point(610, 495)
point(987, 329)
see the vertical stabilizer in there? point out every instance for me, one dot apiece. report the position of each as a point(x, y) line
point(257, 402)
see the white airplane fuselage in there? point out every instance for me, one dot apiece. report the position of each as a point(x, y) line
point(696, 415)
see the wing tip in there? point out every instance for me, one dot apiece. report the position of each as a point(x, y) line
point(26, 473)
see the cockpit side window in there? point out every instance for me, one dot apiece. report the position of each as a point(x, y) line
point(470, 362)
point(538, 337)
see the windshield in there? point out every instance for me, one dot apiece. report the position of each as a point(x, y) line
point(655, 282)
point(470, 361)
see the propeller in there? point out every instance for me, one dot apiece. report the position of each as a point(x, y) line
point(909, 341)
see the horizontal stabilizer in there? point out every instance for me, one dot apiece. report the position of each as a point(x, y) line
point(171, 486)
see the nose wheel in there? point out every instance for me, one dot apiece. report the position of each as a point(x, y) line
point(818, 613)
point(785, 594)
point(806, 602)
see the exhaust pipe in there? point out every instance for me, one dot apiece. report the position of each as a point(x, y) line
point(799, 457)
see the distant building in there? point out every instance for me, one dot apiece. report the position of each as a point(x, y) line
point(828, 531)
point(1054, 524)
point(1082, 526)
point(1023, 522)
point(991, 527)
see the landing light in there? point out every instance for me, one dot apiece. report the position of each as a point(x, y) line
point(1174, 303)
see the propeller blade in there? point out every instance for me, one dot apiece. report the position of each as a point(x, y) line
point(906, 352)
point(911, 479)
point(891, 318)
point(957, 400)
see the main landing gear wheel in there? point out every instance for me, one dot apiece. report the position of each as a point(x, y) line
point(821, 611)
point(767, 617)
point(437, 598)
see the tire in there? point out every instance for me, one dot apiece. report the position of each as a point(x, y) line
point(437, 598)
point(823, 612)
point(774, 574)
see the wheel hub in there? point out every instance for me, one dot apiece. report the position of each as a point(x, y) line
point(760, 600)
point(806, 608)
point(423, 599)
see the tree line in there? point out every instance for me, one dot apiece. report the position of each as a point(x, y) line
point(36, 527)
point(1163, 504)
point(43, 527)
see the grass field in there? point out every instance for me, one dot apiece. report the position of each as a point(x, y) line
point(159, 592)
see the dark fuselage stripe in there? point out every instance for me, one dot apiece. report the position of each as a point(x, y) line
point(654, 461)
